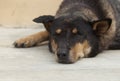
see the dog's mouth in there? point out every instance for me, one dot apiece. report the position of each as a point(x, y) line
point(67, 58)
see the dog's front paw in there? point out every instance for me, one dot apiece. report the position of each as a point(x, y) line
point(25, 42)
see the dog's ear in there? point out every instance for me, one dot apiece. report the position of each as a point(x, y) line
point(46, 20)
point(101, 26)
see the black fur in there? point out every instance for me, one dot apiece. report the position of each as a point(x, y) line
point(93, 27)
point(44, 19)
point(85, 32)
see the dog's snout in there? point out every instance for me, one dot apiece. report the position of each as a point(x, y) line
point(63, 58)
point(62, 55)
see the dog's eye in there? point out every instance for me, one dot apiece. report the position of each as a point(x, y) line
point(78, 33)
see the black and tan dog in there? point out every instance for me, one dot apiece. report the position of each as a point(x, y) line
point(80, 28)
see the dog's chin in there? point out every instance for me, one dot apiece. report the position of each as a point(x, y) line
point(65, 62)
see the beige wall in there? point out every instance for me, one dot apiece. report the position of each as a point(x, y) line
point(21, 12)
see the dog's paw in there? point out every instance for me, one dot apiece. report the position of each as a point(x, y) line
point(25, 42)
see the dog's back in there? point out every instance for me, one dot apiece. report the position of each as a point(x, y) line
point(92, 10)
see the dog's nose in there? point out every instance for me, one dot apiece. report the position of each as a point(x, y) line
point(62, 55)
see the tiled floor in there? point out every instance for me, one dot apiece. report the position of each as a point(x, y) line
point(38, 64)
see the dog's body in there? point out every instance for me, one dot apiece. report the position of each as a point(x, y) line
point(80, 28)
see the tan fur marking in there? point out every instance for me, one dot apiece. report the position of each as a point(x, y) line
point(54, 46)
point(80, 51)
point(76, 52)
point(74, 31)
point(87, 48)
point(33, 39)
point(58, 31)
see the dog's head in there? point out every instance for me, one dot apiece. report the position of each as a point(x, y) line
point(71, 39)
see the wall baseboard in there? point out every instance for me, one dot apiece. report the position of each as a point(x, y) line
point(34, 26)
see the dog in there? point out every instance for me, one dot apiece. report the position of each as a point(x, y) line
point(80, 29)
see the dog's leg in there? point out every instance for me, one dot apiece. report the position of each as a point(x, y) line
point(32, 40)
